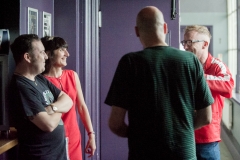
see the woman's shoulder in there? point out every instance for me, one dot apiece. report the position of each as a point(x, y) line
point(69, 72)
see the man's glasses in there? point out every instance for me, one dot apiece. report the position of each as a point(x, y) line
point(190, 42)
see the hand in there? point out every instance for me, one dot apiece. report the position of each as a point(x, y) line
point(91, 145)
point(49, 110)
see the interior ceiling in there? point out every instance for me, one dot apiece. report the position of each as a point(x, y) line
point(203, 6)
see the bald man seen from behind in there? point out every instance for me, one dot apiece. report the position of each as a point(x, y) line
point(159, 87)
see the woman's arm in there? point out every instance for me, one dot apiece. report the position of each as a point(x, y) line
point(85, 117)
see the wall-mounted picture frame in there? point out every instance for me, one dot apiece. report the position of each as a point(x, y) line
point(47, 24)
point(32, 21)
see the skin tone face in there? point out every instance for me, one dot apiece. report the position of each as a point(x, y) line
point(197, 47)
point(38, 57)
point(200, 49)
point(60, 57)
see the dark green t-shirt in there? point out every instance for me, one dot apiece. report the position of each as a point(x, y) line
point(160, 87)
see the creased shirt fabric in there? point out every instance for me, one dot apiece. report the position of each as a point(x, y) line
point(221, 84)
point(27, 98)
point(160, 87)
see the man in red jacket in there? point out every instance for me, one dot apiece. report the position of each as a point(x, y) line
point(219, 79)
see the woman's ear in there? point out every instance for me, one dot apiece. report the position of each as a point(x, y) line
point(47, 52)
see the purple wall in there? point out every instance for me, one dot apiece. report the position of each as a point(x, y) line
point(40, 5)
point(66, 27)
point(118, 38)
point(63, 25)
point(22, 28)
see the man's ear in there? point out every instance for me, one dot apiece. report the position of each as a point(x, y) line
point(205, 44)
point(27, 57)
point(165, 28)
point(137, 31)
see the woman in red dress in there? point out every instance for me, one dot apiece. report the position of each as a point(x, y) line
point(68, 81)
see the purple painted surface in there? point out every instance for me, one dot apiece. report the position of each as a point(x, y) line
point(65, 21)
point(63, 25)
point(40, 5)
point(66, 27)
point(118, 38)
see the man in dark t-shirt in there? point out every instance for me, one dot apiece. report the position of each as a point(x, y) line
point(160, 87)
point(35, 104)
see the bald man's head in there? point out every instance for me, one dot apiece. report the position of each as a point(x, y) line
point(151, 28)
point(149, 19)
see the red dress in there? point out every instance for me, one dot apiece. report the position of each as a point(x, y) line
point(66, 82)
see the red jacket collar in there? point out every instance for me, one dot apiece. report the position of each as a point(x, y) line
point(208, 61)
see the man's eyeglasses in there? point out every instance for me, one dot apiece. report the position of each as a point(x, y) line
point(190, 42)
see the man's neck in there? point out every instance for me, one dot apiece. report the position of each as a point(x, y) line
point(24, 72)
point(204, 58)
point(155, 45)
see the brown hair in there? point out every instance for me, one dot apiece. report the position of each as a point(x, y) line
point(51, 44)
point(21, 45)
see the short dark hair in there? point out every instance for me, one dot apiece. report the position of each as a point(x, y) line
point(50, 44)
point(21, 45)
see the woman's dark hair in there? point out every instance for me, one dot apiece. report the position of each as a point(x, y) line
point(50, 44)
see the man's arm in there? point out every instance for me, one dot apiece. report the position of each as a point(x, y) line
point(116, 121)
point(203, 117)
point(48, 121)
point(220, 79)
point(63, 103)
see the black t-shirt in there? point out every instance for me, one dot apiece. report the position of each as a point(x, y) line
point(28, 98)
point(160, 87)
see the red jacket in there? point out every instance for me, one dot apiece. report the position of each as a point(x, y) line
point(221, 85)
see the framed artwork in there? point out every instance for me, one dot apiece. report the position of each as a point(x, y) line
point(47, 24)
point(32, 21)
